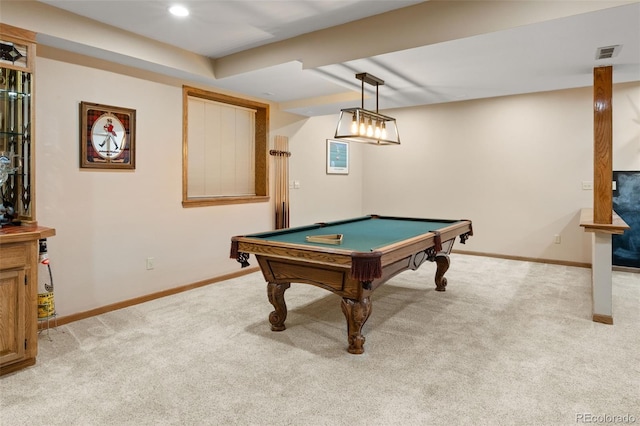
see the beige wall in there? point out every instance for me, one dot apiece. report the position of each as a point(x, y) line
point(513, 165)
point(626, 127)
point(322, 197)
point(109, 222)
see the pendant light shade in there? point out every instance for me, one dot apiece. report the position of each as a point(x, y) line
point(361, 125)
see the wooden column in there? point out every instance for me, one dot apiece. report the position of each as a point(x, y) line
point(602, 220)
point(602, 145)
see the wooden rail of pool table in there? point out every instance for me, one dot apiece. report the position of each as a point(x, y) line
point(335, 256)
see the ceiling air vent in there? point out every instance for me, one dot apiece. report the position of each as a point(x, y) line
point(608, 52)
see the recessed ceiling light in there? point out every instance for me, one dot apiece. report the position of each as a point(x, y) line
point(178, 10)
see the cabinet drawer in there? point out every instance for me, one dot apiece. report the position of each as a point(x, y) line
point(13, 256)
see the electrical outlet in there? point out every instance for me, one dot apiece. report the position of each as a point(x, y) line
point(151, 263)
point(556, 239)
point(587, 185)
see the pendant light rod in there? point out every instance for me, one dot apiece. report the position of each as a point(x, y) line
point(362, 94)
point(372, 80)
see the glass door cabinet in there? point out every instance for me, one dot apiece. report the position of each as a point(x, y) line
point(19, 245)
point(17, 179)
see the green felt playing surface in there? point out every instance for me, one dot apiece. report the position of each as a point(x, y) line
point(361, 234)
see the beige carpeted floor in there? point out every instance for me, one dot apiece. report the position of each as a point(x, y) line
point(508, 343)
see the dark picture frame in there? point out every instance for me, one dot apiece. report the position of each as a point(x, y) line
point(107, 137)
point(337, 157)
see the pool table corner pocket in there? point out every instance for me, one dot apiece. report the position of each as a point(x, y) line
point(366, 266)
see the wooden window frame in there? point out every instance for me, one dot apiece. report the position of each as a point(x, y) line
point(261, 169)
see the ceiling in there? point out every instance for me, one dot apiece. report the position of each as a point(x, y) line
point(304, 54)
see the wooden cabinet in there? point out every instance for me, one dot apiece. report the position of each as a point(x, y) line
point(19, 253)
point(13, 341)
point(19, 248)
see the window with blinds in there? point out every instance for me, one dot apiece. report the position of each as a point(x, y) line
point(221, 149)
point(225, 149)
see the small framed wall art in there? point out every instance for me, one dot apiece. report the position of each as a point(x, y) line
point(107, 137)
point(337, 157)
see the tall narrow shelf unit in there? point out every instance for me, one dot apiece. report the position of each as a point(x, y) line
point(19, 246)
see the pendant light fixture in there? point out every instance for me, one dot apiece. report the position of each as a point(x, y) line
point(361, 125)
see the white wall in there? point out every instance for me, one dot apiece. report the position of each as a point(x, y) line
point(109, 222)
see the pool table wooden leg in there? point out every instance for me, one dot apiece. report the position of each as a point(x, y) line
point(356, 312)
point(275, 292)
point(442, 262)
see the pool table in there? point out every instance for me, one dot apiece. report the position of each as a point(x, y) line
point(372, 250)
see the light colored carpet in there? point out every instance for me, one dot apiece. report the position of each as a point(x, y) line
point(508, 343)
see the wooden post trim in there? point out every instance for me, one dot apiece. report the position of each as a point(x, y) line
point(602, 145)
